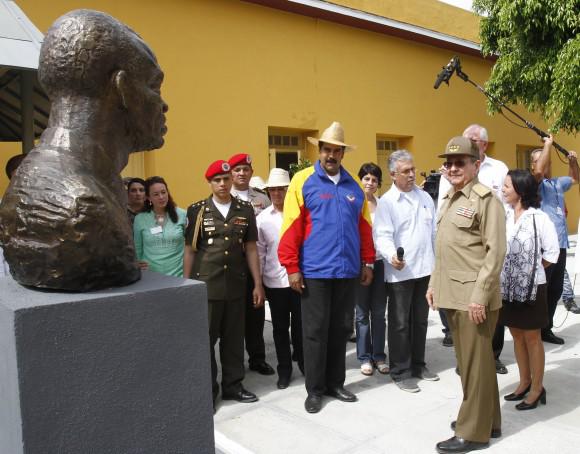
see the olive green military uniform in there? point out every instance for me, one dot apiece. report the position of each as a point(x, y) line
point(220, 262)
point(469, 254)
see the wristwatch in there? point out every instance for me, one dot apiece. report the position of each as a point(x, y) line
point(369, 265)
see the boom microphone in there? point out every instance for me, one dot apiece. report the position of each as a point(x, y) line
point(400, 254)
point(446, 72)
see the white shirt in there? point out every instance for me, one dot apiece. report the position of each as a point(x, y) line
point(269, 224)
point(223, 208)
point(244, 195)
point(406, 219)
point(492, 172)
point(546, 234)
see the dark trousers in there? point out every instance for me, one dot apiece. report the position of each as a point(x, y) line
point(254, 328)
point(327, 313)
point(226, 322)
point(407, 328)
point(555, 281)
point(497, 341)
point(285, 311)
point(444, 321)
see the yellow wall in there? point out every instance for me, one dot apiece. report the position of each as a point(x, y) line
point(233, 69)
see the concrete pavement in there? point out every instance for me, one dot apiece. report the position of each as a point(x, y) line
point(388, 420)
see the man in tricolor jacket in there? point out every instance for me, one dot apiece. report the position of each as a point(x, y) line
point(326, 245)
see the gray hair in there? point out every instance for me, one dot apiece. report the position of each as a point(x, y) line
point(482, 132)
point(399, 155)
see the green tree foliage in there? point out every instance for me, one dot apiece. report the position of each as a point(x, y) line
point(538, 47)
point(302, 163)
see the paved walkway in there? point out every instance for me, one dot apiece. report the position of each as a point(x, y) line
point(387, 420)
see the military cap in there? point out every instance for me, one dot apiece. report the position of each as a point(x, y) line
point(461, 146)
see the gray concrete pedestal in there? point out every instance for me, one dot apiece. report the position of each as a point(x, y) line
point(119, 371)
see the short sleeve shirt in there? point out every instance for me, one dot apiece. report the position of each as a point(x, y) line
point(552, 192)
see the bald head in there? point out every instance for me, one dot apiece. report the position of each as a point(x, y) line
point(477, 134)
point(83, 49)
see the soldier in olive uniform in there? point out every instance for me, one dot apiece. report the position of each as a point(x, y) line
point(241, 165)
point(469, 254)
point(220, 250)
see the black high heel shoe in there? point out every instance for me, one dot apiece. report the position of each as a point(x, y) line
point(520, 396)
point(526, 406)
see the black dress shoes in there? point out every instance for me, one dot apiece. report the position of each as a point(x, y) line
point(243, 395)
point(262, 368)
point(550, 337)
point(459, 445)
point(500, 367)
point(514, 397)
point(313, 403)
point(341, 394)
point(495, 433)
point(283, 381)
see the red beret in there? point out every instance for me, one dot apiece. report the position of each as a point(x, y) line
point(218, 167)
point(241, 158)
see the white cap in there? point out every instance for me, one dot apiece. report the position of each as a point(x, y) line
point(258, 183)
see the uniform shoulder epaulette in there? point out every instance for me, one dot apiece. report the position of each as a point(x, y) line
point(198, 204)
point(481, 190)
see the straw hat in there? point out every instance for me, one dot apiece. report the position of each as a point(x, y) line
point(334, 135)
point(278, 178)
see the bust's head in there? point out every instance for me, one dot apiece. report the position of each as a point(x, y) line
point(92, 56)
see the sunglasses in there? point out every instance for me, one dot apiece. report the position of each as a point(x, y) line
point(460, 163)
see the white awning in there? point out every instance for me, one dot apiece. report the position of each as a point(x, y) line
point(24, 106)
point(20, 40)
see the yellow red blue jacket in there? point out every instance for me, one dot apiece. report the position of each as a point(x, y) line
point(326, 231)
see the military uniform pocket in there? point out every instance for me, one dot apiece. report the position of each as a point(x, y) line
point(462, 222)
point(461, 285)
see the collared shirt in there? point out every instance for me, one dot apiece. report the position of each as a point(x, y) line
point(552, 192)
point(269, 224)
point(258, 199)
point(407, 220)
point(492, 173)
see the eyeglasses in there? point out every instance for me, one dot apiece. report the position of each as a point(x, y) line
point(460, 163)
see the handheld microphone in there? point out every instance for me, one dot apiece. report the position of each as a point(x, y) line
point(400, 254)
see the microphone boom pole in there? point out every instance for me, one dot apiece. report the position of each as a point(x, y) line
point(455, 66)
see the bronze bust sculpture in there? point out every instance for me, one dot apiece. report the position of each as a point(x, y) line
point(63, 222)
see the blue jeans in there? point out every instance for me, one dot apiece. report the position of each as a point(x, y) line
point(371, 304)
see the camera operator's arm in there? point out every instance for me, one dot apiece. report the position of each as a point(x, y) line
point(573, 169)
point(542, 164)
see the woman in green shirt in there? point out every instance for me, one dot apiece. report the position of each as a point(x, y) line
point(158, 231)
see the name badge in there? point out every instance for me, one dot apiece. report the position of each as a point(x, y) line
point(156, 230)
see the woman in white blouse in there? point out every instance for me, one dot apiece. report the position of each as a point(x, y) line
point(532, 245)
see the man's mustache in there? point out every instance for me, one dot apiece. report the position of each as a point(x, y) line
point(331, 160)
